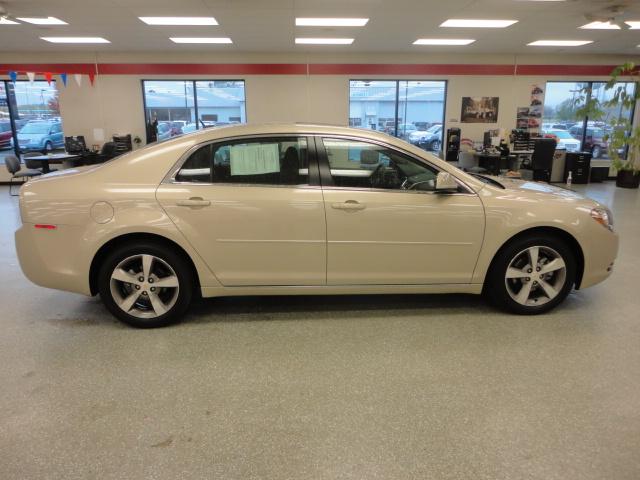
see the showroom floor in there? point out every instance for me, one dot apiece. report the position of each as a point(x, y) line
point(396, 387)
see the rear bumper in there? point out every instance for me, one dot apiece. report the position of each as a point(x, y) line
point(53, 258)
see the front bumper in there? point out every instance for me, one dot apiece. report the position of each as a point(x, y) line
point(600, 252)
point(48, 257)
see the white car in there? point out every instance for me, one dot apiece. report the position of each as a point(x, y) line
point(565, 139)
point(303, 209)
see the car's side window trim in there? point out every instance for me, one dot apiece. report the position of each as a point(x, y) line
point(326, 178)
point(312, 162)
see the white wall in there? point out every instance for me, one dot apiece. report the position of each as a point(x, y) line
point(115, 104)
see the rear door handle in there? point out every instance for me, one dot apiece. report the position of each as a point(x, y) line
point(349, 205)
point(193, 202)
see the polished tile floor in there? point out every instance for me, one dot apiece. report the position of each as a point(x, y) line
point(397, 387)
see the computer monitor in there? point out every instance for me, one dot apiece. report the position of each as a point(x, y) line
point(75, 144)
point(486, 142)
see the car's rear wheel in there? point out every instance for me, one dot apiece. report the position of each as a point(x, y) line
point(531, 275)
point(48, 147)
point(146, 285)
point(435, 146)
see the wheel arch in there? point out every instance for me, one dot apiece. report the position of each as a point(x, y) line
point(553, 231)
point(104, 250)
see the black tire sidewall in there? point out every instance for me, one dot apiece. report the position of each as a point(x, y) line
point(496, 289)
point(179, 265)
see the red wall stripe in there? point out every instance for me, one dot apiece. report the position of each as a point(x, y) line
point(409, 69)
point(370, 69)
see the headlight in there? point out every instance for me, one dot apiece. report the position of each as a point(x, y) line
point(603, 216)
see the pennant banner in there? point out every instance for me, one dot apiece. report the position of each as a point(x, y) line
point(31, 76)
point(78, 78)
point(92, 77)
point(48, 76)
point(63, 77)
point(13, 76)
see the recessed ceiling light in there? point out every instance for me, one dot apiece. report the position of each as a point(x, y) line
point(470, 23)
point(331, 22)
point(75, 39)
point(633, 25)
point(43, 20)
point(600, 26)
point(6, 21)
point(179, 20)
point(200, 39)
point(443, 41)
point(324, 41)
point(559, 43)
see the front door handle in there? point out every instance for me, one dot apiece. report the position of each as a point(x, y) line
point(193, 202)
point(349, 205)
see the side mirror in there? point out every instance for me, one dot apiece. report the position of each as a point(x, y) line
point(445, 182)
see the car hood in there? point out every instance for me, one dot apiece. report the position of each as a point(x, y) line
point(543, 192)
point(31, 136)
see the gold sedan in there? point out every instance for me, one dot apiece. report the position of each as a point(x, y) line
point(303, 209)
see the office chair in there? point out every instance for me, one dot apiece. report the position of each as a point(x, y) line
point(13, 167)
point(542, 159)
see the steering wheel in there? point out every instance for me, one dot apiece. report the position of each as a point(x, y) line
point(413, 185)
point(376, 179)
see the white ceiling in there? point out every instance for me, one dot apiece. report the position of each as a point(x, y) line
point(268, 25)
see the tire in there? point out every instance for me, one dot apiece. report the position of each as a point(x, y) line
point(514, 260)
point(136, 299)
point(596, 152)
point(48, 147)
point(435, 146)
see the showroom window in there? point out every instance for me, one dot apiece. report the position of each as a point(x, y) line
point(35, 110)
point(183, 106)
point(561, 104)
point(408, 109)
point(356, 164)
point(265, 161)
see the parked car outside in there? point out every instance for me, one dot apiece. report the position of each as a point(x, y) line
point(6, 135)
point(564, 139)
point(41, 136)
point(164, 131)
point(405, 130)
point(429, 139)
point(173, 229)
point(594, 141)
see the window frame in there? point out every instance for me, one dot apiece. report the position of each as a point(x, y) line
point(326, 179)
point(314, 173)
point(195, 94)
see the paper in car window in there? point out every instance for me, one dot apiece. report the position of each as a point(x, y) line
point(255, 159)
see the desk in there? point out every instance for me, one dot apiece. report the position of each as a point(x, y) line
point(67, 160)
point(490, 162)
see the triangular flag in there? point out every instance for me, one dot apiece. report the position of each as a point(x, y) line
point(48, 76)
point(31, 76)
point(63, 77)
point(92, 77)
point(78, 78)
point(13, 76)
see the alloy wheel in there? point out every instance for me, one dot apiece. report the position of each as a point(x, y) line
point(535, 276)
point(144, 286)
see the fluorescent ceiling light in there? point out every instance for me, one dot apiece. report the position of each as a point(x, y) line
point(559, 43)
point(634, 25)
point(43, 20)
point(600, 26)
point(470, 23)
point(75, 39)
point(331, 22)
point(443, 41)
point(179, 20)
point(324, 41)
point(200, 39)
point(6, 21)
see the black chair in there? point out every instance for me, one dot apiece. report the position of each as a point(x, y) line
point(13, 167)
point(123, 143)
point(542, 159)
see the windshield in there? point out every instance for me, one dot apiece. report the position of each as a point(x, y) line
point(36, 128)
point(433, 129)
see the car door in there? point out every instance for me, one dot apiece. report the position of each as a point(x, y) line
point(253, 210)
point(387, 225)
point(57, 137)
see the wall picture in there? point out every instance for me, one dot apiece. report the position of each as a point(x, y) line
point(479, 110)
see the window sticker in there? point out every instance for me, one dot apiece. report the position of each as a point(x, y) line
point(255, 159)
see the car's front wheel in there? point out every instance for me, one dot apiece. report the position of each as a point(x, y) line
point(146, 285)
point(48, 147)
point(435, 146)
point(532, 275)
point(597, 152)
